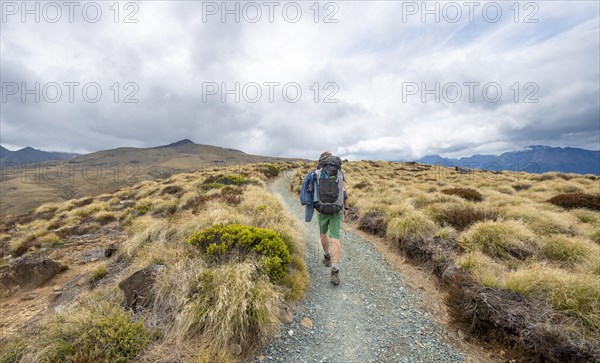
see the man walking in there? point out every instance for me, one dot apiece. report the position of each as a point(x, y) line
point(332, 206)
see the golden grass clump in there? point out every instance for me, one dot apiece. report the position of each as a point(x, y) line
point(568, 250)
point(410, 225)
point(231, 304)
point(542, 222)
point(502, 239)
point(578, 294)
point(484, 270)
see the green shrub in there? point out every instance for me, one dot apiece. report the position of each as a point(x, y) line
point(576, 200)
point(98, 332)
point(270, 170)
point(465, 193)
point(225, 242)
point(12, 349)
point(226, 180)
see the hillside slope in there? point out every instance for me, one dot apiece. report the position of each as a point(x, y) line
point(108, 170)
point(199, 267)
point(31, 155)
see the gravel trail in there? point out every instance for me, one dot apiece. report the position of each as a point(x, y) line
point(369, 317)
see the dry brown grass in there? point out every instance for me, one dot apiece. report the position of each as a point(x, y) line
point(202, 311)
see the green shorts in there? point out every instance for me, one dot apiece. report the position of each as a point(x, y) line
point(331, 224)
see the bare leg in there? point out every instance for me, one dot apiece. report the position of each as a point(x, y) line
point(325, 242)
point(335, 251)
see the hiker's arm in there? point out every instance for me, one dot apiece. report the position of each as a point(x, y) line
point(345, 197)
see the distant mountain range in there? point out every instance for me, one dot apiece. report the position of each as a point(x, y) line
point(31, 155)
point(533, 159)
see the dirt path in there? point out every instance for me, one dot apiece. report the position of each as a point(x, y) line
point(370, 317)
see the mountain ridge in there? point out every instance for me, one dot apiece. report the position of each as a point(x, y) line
point(533, 159)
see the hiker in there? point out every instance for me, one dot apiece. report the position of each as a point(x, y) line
point(325, 190)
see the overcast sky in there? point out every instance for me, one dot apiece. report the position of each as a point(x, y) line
point(372, 61)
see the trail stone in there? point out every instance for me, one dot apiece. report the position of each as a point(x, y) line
point(307, 323)
point(138, 287)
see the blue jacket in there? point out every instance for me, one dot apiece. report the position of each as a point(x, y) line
point(309, 195)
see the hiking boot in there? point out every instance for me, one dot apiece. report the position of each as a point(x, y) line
point(327, 261)
point(335, 277)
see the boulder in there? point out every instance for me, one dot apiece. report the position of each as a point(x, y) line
point(138, 287)
point(28, 272)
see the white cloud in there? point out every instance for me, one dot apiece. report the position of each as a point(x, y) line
point(370, 53)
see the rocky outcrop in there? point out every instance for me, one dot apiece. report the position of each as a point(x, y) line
point(138, 287)
point(28, 272)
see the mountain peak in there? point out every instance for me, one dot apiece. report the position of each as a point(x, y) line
point(181, 143)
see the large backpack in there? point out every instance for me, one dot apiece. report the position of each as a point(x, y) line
point(330, 186)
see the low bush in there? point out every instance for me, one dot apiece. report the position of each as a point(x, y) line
point(95, 332)
point(373, 222)
point(576, 200)
point(519, 187)
point(172, 190)
point(226, 180)
point(235, 241)
point(461, 216)
point(465, 193)
point(143, 207)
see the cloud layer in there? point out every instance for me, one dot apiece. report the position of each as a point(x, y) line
point(406, 84)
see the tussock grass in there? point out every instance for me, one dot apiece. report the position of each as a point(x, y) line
point(410, 225)
point(512, 229)
point(105, 217)
point(502, 239)
point(568, 250)
point(465, 193)
point(99, 272)
point(540, 221)
point(485, 270)
point(578, 294)
point(231, 304)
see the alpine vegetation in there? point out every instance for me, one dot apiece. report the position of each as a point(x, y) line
point(199, 267)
